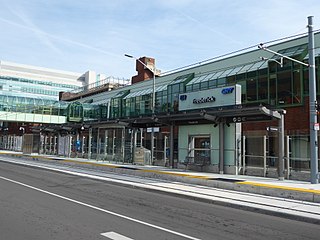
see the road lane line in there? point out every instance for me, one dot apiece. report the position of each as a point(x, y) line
point(101, 209)
point(115, 236)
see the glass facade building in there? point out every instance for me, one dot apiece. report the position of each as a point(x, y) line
point(112, 114)
point(29, 96)
point(263, 82)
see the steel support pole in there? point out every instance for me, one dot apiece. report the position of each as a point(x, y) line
point(221, 148)
point(165, 150)
point(312, 107)
point(288, 156)
point(153, 103)
point(90, 143)
point(313, 122)
point(98, 145)
point(123, 142)
point(152, 146)
point(113, 142)
point(281, 147)
point(153, 112)
point(264, 156)
point(134, 147)
point(105, 144)
point(243, 155)
point(171, 155)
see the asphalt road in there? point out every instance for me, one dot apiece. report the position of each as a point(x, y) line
point(39, 204)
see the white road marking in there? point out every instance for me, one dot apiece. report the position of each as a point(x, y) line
point(101, 209)
point(251, 200)
point(115, 236)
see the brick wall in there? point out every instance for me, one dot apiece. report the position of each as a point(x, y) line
point(296, 120)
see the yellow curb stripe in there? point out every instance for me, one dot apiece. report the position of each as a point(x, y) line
point(12, 154)
point(41, 157)
point(90, 163)
point(142, 170)
point(171, 173)
point(199, 177)
point(165, 173)
point(280, 187)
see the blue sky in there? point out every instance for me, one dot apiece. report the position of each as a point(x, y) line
point(94, 35)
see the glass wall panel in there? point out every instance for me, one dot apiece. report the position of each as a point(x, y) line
point(212, 83)
point(272, 67)
point(263, 88)
point(272, 89)
point(196, 87)
point(251, 89)
point(221, 82)
point(305, 81)
point(204, 85)
point(296, 88)
point(284, 90)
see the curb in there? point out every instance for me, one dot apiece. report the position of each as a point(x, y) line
point(223, 183)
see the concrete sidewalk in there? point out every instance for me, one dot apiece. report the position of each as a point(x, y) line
point(290, 189)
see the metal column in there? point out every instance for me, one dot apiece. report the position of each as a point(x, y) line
point(288, 157)
point(165, 150)
point(113, 140)
point(98, 145)
point(70, 146)
point(264, 156)
point(134, 132)
point(221, 148)
point(89, 143)
point(83, 145)
point(171, 146)
point(243, 155)
point(281, 148)
point(122, 143)
point(312, 107)
point(105, 144)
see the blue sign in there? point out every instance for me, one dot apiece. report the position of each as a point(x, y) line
point(227, 90)
point(183, 97)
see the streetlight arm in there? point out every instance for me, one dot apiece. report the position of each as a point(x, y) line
point(273, 60)
point(262, 47)
point(129, 56)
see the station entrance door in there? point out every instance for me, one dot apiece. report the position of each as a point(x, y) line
point(199, 147)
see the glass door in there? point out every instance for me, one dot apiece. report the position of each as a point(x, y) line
point(199, 147)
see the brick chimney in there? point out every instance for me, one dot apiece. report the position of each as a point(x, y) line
point(143, 72)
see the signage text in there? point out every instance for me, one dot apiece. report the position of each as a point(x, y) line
point(204, 100)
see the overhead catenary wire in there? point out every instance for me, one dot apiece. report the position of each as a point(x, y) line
point(238, 51)
point(202, 62)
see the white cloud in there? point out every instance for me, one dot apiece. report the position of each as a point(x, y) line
point(94, 35)
point(28, 24)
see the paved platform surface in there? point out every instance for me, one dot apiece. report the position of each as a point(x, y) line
point(290, 189)
point(291, 199)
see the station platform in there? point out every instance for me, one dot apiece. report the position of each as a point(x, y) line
point(290, 189)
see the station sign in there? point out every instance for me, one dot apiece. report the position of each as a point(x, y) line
point(241, 119)
point(155, 129)
point(216, 97)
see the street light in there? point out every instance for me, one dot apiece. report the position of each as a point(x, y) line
point(153, 98)
point(313, 123)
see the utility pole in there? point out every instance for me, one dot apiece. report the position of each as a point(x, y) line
point(153, 103)
point(312, 106)
point(313, 121)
